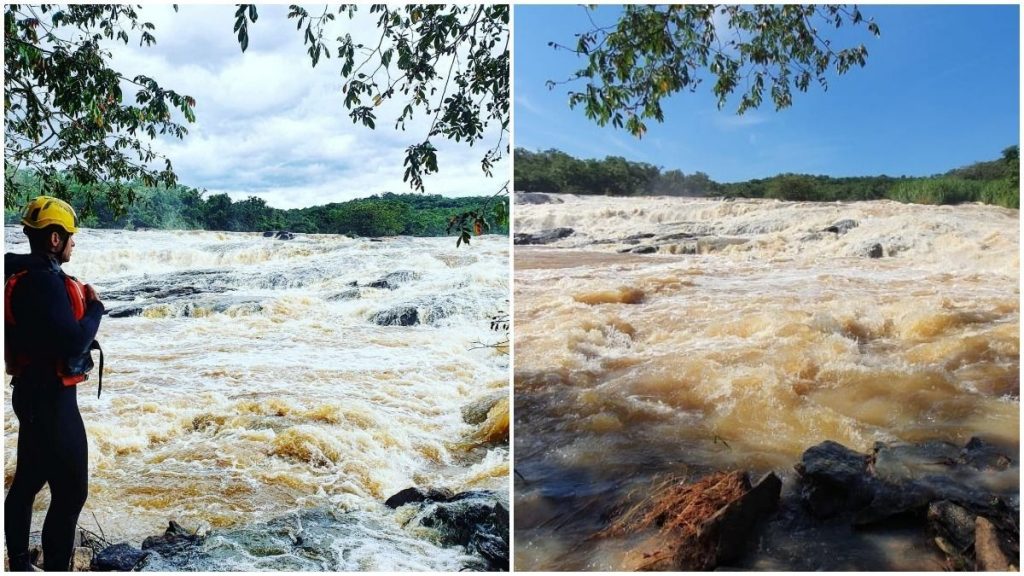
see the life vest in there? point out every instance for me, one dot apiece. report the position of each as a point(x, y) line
point(72, 371)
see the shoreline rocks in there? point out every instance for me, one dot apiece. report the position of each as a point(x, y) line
point(956, 503)
point(542, 237)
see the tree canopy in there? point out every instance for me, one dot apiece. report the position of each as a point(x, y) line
point(65, 115)
point(448, 62)
point(653, 52)
point(68, 122)
point(185, 208)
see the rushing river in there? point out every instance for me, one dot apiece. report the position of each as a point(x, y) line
point(670, 335)
point(245, 380)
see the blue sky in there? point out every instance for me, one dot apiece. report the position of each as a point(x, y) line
point(941, 89)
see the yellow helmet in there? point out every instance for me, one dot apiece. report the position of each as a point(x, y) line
point(47, 211)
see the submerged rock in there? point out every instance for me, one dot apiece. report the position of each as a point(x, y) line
point(841, 227)
point(395, 279)
point(543, 237)
point(875, 251)
point(350, 294)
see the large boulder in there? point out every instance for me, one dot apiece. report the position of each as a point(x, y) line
point(834, 478)
point(949, 486)
point(477, 520)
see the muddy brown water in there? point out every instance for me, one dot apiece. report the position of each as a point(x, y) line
point(267, 389)
point(629, 367)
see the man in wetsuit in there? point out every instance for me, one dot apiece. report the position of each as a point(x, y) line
point(50, 322)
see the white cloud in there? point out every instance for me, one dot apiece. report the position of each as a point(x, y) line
point(269, 124)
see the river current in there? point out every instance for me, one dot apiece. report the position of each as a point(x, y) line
point(246, 379)
point(682, 335)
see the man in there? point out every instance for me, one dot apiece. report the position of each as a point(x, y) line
point(50, 323)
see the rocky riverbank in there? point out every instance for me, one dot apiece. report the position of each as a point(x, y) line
point(322, 539)
point(963, 501)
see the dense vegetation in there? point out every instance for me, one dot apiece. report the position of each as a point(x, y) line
point(993, 182)
point(187, 208)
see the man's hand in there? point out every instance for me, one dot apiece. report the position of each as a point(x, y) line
point(90, 293)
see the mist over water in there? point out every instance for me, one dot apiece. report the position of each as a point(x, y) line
point(245, 380)
point(751, 334)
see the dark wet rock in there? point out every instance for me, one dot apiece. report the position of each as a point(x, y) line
point(118, 558)
point(376, 240)
point(398, 316)
point(875, 251)
point(676, 236)
point(731, 527)
point(639, 250)
point(841, 227)
point(984, 456)
point(284, 235)
point(269, 233)
point(351, 294)
point(953, 523)
point(416, 495)
point(476, 412)
point(834, 478)
point(353, 283)
point(636, 238)
point(543, 237)
point(173, 541)
point(905, 481)
point(173, 289)
point(395, 279)
point(125, 311)
point(188, 307)
point(477, 520)
point(535, 198)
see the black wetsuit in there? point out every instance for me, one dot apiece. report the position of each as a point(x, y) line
point(52, 446)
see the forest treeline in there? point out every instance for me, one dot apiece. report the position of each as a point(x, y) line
point(185, 208)
point(992, 182)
